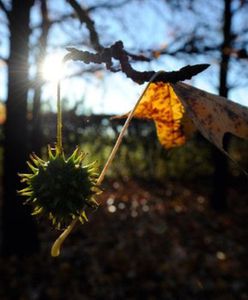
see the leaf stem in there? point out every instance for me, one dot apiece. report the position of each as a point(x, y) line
point(59, 119)
point(55, 251)
point(123, 131)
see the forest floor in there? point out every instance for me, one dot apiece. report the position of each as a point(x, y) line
point(147, 241)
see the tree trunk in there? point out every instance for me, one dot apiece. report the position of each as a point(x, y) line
point(19, 232)
point(37, 134)
point(220, 179)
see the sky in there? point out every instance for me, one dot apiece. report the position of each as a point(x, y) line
point(148, 24)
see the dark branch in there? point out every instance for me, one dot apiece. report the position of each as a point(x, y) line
point(84, 18)
point(83, 15)
point(4, 9)
point(45, 26)
point(3, 59)
point(61, 19)
point(117, 52)
point(107, 5)
point(241, 53)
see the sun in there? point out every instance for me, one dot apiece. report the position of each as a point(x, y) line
point(52, 68)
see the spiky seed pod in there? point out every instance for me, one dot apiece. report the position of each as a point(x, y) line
point(59, 188)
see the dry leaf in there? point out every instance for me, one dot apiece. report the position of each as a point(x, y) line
point(161, 104)
point(174, 107)
point(214, 116)
point(2, 113)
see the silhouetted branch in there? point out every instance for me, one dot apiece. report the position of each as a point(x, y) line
point(118, 53)
point(107, 5)
point(242, 53)
point(94, 37)
point(4, 9)
point(3, 59)
point(84, 18)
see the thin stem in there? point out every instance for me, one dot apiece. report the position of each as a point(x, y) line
point(123, 131)
point(55, 251)
point(59, 120)
point(58, 243)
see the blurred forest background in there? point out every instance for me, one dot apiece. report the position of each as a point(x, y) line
point(173, 223)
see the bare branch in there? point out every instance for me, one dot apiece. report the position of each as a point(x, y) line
point(61, 19)
point(108, 5)
point(240, 53)
point(4, 9)
point(94, 38)
point(80, 73)
point(45, 26)
point(241, 5)
point(84, 18)
point(117, 52)
point(3, 60)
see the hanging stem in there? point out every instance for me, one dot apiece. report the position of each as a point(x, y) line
point(122, 133)
point(55, 251)
point(59, 120)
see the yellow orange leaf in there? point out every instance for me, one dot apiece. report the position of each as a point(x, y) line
point(179, 109)
point(2, 113)
point(161, 104)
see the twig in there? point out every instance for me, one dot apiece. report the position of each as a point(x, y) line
point(59, 120)
point(4, 9)
point(117, 52)
point(84, 18)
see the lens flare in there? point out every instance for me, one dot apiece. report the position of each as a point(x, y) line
point(52, 68)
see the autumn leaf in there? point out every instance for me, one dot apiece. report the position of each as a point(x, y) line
point(2, 113)
point(174, 107)
point(162, 105)
point(214, 116)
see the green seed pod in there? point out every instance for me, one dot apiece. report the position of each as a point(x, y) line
point(59, 188)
